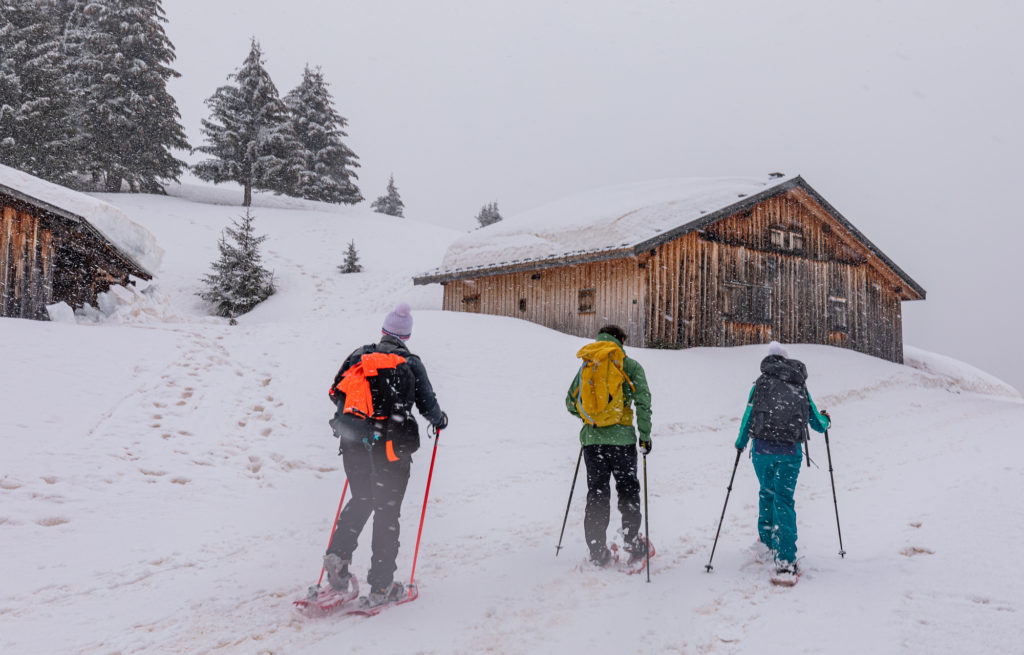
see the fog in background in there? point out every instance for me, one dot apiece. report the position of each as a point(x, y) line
point(905, 116)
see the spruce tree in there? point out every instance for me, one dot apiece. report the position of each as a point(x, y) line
point(327, 162)
point(121, 61)
point(238, 281)
point(390, 204)
point(36, 133)
point(351, 264)
point(250, 135)
point(488, 215)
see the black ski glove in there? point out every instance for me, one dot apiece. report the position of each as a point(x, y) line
point(646, 446)
point(442, 424)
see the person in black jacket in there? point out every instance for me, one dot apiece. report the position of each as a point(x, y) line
point(377, 457)
point(779, 410)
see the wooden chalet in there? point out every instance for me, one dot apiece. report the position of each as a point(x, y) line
point(60, 245)
point(687, 263)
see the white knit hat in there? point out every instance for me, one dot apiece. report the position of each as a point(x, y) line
point(775, 348)
point(398, 323)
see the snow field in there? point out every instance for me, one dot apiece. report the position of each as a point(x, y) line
point(170, 480)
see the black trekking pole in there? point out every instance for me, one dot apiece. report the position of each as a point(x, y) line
point(842, 553)
point(571, 489)
point(728, 491)
point(647, 525)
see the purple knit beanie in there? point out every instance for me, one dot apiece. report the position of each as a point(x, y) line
point(398, 323)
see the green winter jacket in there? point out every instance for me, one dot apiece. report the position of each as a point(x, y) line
point(618, 435)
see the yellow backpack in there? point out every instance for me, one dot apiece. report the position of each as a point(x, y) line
point(600, 398)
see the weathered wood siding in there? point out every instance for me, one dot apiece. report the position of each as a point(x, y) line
point(784, 269)
point(613, 290)
point(46, 259)
point(26, 264)
point(731, 284)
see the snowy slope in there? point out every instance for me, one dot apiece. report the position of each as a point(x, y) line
point(169, 480)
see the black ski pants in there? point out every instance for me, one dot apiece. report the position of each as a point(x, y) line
point(603, 462)
point(378, 488)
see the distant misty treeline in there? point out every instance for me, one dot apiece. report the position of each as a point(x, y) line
point(84, 103)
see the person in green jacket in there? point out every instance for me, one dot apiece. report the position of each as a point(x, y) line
point(610, 449)
point(779, 409)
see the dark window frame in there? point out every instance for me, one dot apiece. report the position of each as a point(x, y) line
point(585, 301)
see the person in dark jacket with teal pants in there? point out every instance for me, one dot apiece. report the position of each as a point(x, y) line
point(779, 410)
point(610, 450)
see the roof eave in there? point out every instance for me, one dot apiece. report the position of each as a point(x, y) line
point(84, 224)
point(520, 267)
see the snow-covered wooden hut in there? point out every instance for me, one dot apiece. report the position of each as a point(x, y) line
point(61, 245)
point(683, 263)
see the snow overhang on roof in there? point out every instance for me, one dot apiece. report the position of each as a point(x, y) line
point(132, 242)
point(614, 222)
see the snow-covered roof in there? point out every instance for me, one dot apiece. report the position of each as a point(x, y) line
point(132, 241)
point(607, 220)
point(616, 221)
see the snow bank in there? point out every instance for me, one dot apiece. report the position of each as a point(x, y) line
point(960, 375)
point(601, 219)
point(132, 304)
point(133, 240)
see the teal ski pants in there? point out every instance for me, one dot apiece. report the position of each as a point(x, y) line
point(776, 521)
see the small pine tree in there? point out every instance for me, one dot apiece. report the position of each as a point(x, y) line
point(250, 135)
point(391, 204)
point(351, 264)
point(488, 215)
point(326, 161)
point(238, 281)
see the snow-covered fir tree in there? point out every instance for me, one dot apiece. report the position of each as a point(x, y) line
point(36, 132)
point(488, 215)
point(327, 162)
point(120, 59)
point(250, 134)
point(351, 263)
point(238, 281)
point(391, 203)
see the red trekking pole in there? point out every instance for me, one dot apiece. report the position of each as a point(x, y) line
point(334, 526)
point(426, 495)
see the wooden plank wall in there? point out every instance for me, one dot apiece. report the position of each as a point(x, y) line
point(550, 297)
point(691, 278)
point(26, 264)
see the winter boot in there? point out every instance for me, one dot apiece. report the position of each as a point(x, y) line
point(601, 558)
point(381, 595)
point(786, 573)
point(636, 549)
point(337, 571)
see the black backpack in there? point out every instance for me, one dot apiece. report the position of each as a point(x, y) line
point(781, 410)
point(374, 399)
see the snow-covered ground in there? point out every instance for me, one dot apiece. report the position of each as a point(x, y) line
point(169, 481)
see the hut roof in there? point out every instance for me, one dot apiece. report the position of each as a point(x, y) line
point(135, 244)
point(618, 221)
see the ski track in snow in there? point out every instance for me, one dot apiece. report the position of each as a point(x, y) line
point(174, 484)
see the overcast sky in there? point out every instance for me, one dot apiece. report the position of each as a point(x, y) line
point(905, 115)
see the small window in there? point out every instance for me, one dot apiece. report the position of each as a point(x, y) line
point(748, 303)
point(586, 301)
point(783, 239)
point(522, 304)
point(471, 300)
point(837, 314)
